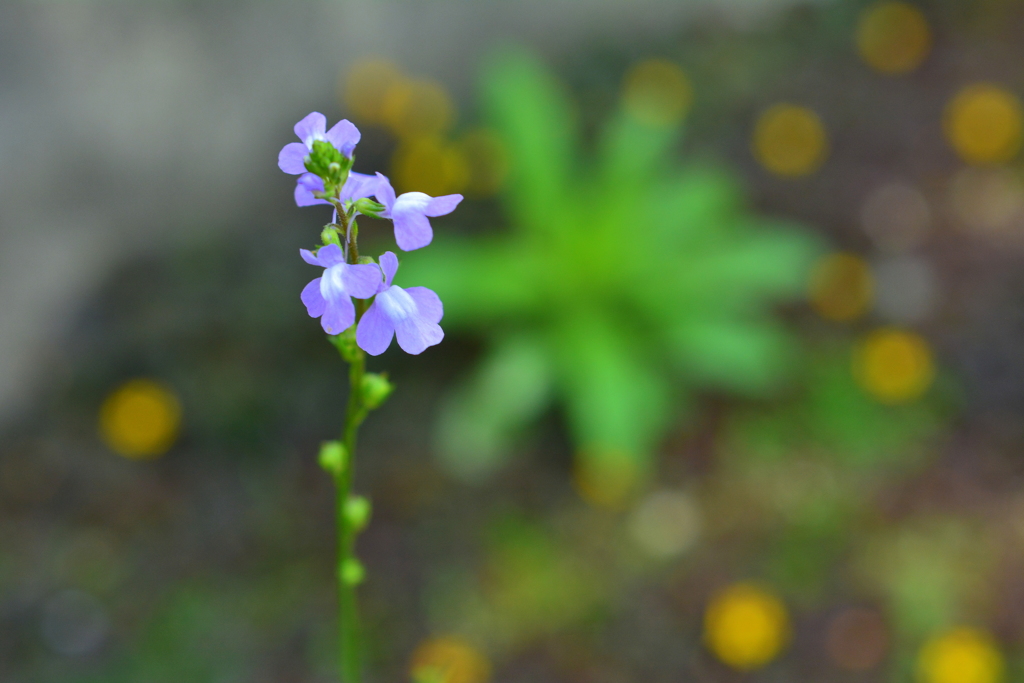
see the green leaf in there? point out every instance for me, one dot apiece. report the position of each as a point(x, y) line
point(481, 419)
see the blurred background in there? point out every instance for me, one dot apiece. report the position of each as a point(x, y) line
point(733, 376)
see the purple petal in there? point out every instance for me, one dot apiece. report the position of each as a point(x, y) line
point(304, 188)
point(330, 255)
point(344, 136)
point(415, 334)
point(375, 331)
point(428, 304)
point(359, 186)
point(385, 193)
point(441, 206)
point(312, 298)
point(412, 231)
point(389, 264)
point(309, 257)
point(292, 158)
point(362, 281)
point(338, 315)
point(311, 128)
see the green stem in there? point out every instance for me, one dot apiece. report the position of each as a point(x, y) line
point(348, 618)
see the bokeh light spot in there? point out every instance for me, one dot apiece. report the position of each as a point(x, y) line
point(365, 88)
point(841, 287)
point(666, 523)
point(894, 366)
point(963, 655)
point(983, 124)
point(790, 140)
point(988, 200)
point(430, 165)
point(486, 161)
point(896, 217)
point(417, 109)
point(745, 626)
point(657, 92)
point(449, 660)
point(893, 37)
point(857, 639)
point(140, 419)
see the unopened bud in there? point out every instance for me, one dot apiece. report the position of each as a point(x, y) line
point(333, 457)
point(346, 344)
point(376, 389)
point(368, 207)
point(357, 512)
point(352, 572)
point(330, 235)
point(367, 260)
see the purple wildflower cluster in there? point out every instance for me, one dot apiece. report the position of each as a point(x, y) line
point(323, 161)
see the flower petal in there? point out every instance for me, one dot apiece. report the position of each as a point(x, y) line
point(388, 264)
point(304, 188)
point(415, 334)
point(330, 255)
point(363, 280)
point(309, 257)
point(385, 194)
point(311, 128)
point(412, 231)
point(359, 186)
point(375, 331)
point(441, 206)
point(344, 136)
point(338, 315)
point(312, 298)
point(292, 158)
point(428, 304)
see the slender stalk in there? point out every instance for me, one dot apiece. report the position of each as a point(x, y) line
point(351, 669)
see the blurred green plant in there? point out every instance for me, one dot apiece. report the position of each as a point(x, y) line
point(625, 283)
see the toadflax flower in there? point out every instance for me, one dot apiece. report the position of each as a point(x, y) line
point(357, 186)
point(329, 297)
point(410, 212)
point(343, 135)
point(410, 314)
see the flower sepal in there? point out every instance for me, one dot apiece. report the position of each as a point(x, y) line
point(330, 235)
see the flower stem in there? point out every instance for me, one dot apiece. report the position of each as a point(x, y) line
point(351, 669)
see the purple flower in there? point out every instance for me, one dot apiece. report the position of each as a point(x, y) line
point(343, 135)
point(410, 314)
point(330, 296)
point(410, 212)
point(358, 186)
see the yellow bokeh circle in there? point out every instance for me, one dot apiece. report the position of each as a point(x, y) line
point(894, 366)
point(790, 140)
point(983, 123)
point(657, 92)
point(893, 37)
point(963, 655)
point(841, 287)
point(366, 86)
point(140, 419)
point(449, 660)
point(418, 109)
point(430, 165)
point(745, 626)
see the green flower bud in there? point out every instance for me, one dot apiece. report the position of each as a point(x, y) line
point(368, 207)
point(352, 572)
point(366, 260)
point(330, 235)
point(346, 344)
point(376, 389)
point(333, 457)
point(357, 512)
